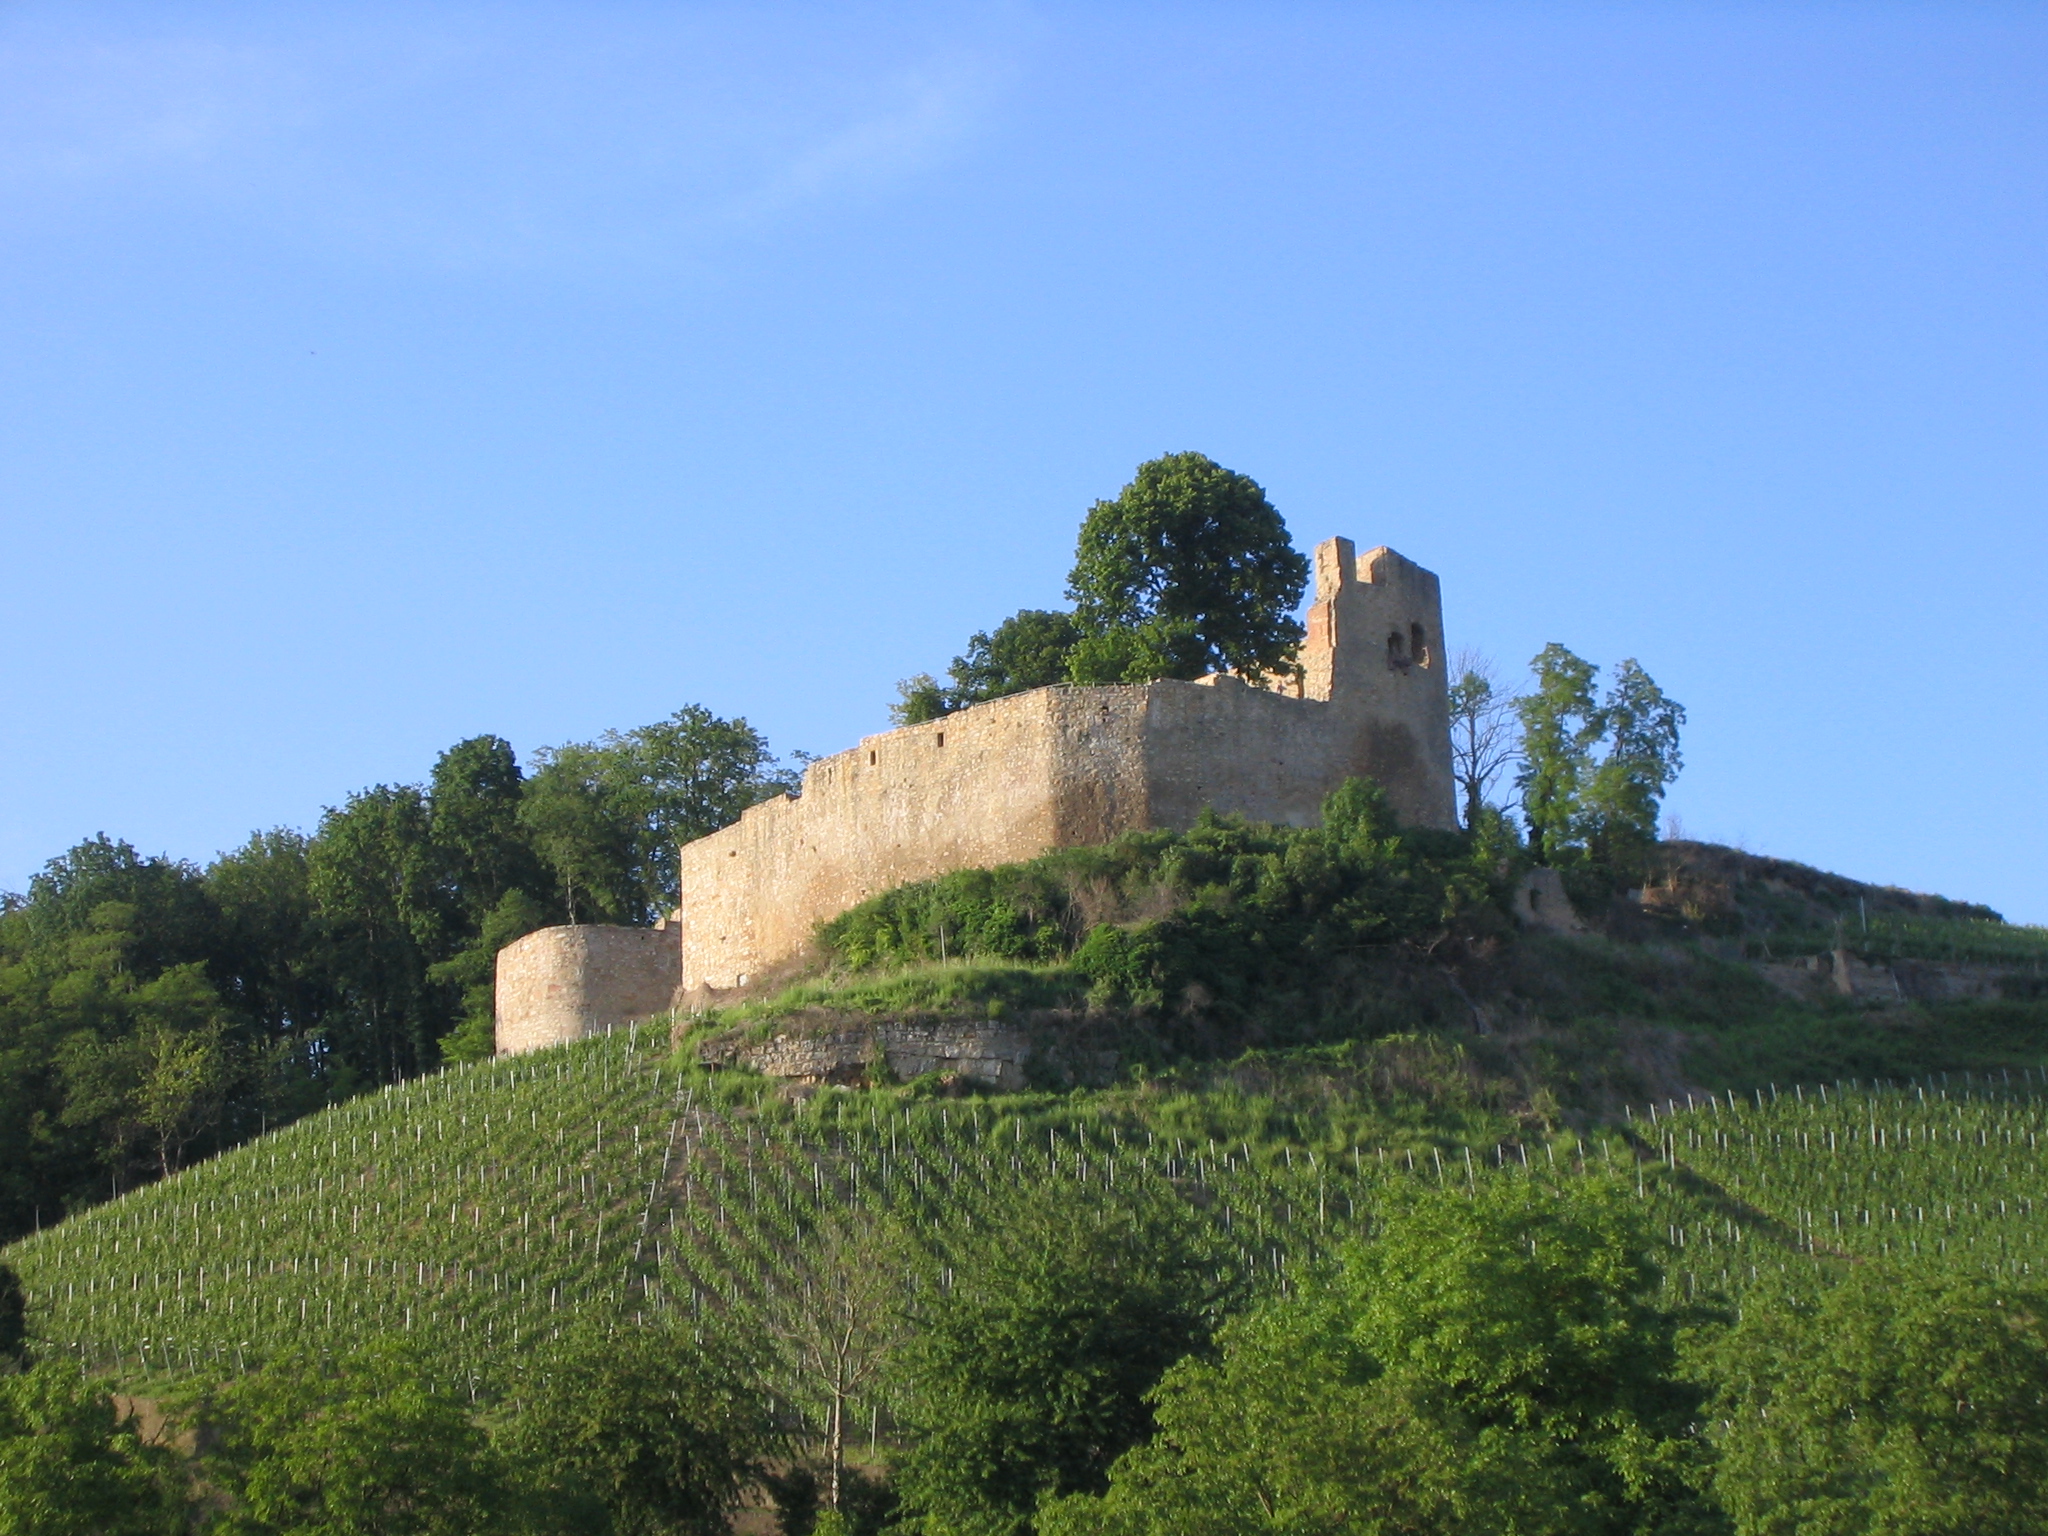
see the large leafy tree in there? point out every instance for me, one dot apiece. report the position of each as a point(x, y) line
point(1560, 724)
point(473, 813)
point(69, 1466)
point(1030, 1373)
point(636, 1430)
point(677, 780)
point(386, 916)
point(1593, 773)
point(1640, 727)
point(1890, 1404)
point(1187, 571)
point(607, 816)
point(272, 964)
point(1490, 1362)
point(118, 1050)
point(366, 1444)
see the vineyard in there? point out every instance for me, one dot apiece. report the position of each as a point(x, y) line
point(478, 1209)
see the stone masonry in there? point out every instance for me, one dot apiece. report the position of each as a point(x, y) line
point(1056, 767)
point(560, 984)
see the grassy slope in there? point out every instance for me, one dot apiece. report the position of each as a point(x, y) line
point(476, 1208)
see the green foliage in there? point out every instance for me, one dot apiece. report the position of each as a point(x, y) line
point(1287, 1432)
point(151, 1012)
point(919, 699)
point(1886, 1406)
point(1534, 1325)
point(366, 1445)
point(1220, 920)
point(385, 916)
point(473, 802)
point(582, 836)
point(1560, 724)
point(1030, 1372)
point(1586, 808)
point(1489, 1362)
point(1029, 649)
point(1188, 571)
point(474, 969)
point(70, 1467)
point(635, 1430)
point(1640, 726)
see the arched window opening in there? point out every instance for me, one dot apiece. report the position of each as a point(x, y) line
point(1397, 653)
point(1418, 646)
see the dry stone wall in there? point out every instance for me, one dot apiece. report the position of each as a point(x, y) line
point(985, 1055)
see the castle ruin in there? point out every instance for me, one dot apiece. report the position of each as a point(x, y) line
point(1007, 780)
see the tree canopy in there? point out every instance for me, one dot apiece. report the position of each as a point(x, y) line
point(1187, 571)
point(152, 1012)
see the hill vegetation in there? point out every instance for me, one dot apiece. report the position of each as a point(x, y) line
point(1340, 1199)
point(152, 1012)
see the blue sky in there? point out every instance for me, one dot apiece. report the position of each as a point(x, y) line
point(374, 376)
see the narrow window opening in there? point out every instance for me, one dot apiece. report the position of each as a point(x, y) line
point(1397, 653)
point(1418, 646)
point(871, 759)
point(942, 738)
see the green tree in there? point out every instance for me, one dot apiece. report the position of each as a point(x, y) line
point(188, 1063)
point(1029, 1375)
point(385, 917)
point(1640, 728)
point(680, 779)
point(1294, 1429)
point(1560, 725)
point(474, 969)
point(1188, 571)
point(273, 970)
point(608, 817)
point(1534, 1312)
point(1029, 649)
point(582, 836)
point(365, 1446)
point(69, 1466)
point(473, 810)
point(1489, 1363)
point(1892, 1404)
point(635, 1430)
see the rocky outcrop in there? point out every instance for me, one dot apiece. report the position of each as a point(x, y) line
point(981, 1055)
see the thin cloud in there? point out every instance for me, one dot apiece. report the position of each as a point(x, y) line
point(541, 137)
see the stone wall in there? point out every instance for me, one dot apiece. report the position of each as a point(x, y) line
point(986, 1055)
point(1007, 780)
point(561, 984)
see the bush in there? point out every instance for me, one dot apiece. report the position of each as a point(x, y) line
point(1221, 916)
